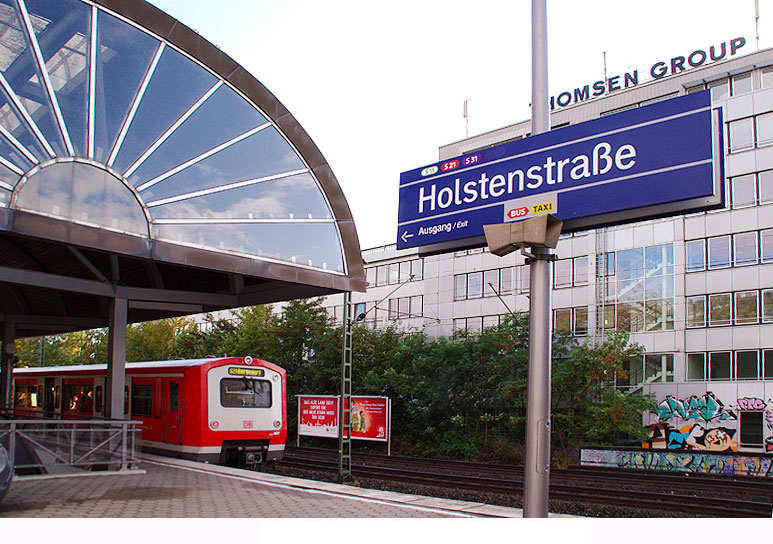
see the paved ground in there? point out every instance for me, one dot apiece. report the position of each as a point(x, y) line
point(168, 488)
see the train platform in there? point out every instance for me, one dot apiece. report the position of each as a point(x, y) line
point(171, 488)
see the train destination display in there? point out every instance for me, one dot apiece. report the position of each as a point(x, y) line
point(658, 160)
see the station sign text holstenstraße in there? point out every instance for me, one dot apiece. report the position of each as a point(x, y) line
point(658, 160)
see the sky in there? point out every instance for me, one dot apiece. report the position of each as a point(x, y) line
point(380, 86)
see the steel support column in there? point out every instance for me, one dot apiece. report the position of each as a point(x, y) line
point(6, 366)
point(116, 358)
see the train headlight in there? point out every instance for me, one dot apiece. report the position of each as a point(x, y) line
point(248, 360)
point(277, 423)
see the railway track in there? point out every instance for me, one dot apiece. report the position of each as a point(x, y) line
point(653, 492)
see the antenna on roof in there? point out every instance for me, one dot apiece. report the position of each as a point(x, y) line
point(605, 67)
point(757, 21)
point(466, 122)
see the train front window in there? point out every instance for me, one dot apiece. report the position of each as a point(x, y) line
point(245, 393)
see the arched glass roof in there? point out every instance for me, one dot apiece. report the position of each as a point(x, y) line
point(105, 124)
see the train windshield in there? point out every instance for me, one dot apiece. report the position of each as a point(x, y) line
point(245, 393)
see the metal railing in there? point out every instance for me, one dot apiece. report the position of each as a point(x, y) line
point(48, 446)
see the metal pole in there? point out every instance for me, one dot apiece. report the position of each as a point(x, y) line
point(537, 466)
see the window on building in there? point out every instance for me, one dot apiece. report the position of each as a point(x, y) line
point(719, 366)
point(417, 269)
point(507, 280)
point(764, 129)
point(370, 276)
point(719, 310)
point(745, 248)
point(581, 321)
point(741, 134)
point(696, 367)
point(524, 277)
point(696, 311)
point(720, 89)
point(746, 307)
point(394, 310)
point(766, 239)
point(742, 83)
point(394, 273)
point(719, 252)
point(743, 190)
point(659, 367)
point(609, 316)
point(765, 182)
point(581, 270)
point(562, 322)
point(474, 324)
point(417, 306)
point(405, 271)
point(562, 273)
point(460, 286)
point(630, 316)
point(404, 307)
point(750, 427)
point(767, 305)
point(382, 277)
point(659, 314)
point(747, 365)
point(490, 283)
point(696, 255)
point(767, 364)
point(767, 77)
point(475, 285)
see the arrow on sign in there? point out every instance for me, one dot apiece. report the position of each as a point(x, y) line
point(405, 236)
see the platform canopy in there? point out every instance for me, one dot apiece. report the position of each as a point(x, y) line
point(139, 162)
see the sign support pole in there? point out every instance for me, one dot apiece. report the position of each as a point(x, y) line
point(345, 405)
point(537, 464)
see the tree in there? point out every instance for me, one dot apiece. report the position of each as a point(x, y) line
point(155, 340)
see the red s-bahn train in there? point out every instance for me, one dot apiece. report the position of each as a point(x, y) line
point(230, 410)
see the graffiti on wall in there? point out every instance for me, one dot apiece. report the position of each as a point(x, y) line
point(681, 461)
point(704, 408)
point(691, 437)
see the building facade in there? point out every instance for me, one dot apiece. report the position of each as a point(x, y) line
point(696, 290)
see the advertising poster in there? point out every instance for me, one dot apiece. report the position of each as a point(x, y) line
point(370, 418)
point(318, 416)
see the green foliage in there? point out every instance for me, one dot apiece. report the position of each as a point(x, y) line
point(460, 397)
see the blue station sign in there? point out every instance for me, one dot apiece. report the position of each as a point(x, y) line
point(658, 160)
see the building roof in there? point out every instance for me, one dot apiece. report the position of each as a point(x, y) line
point(138, 160)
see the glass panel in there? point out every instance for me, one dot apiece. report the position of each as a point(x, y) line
point(245, 393)
point(394, 273)
point(765, 129)
point(404, 307)
point(562, 322)
point(719, 252)
point(405, 271)
point(297, 197)
point(261, 155)
point(719, 310)
point(766, 238)
point(383, 275)
point(580, 270)
point(474, 285)
point(5, 197)
point(474, 324)
point(370, 276)
point(746, 365)
point(85, 194)
point(123, 59)
point(417, 306)
point(696, 311)
point(224, 116)
point(659, 260)
point(609, 264)
point(719, 89)
point(581, 321)
point(746, 307)
point(525, 272)
point(768, 363)
point(176, 85)
point(744, 191)
point(490, 283)
point(460, 286)
point(696, 255)
point(20, 68)
point(630, 290)
point(767, 77)
point(751, 430)
point(635, 370)
point(64, 43)
point(563, 273)
point(745, 248)
point(659, 368)
point(741, 134)
point(609, 316)
point(767, 305)
point(174, 396)
point(630, 264)
point(719, 365)
point(417, 269)
point(696, 366)
point(630, 317)
point(766, 186)
point(507, 278)
point(659, 287)
point(742, 83)
point(310, 244)
point(659, 315)
point(393, 313)
point(142, 400)
point(10, 153)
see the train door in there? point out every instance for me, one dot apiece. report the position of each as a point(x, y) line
point(171, 410)
point(49, 403)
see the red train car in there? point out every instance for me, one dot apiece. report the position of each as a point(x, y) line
point(230, 410)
